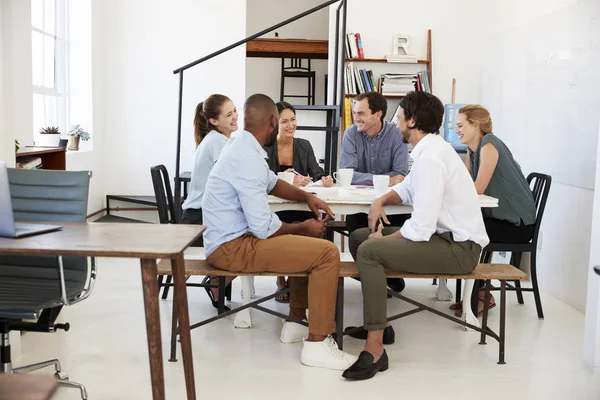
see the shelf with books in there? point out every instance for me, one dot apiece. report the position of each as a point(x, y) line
point(403, 77)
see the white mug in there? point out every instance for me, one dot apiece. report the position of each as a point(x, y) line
point(286, 176)
point(381, 184)
point(344, 176)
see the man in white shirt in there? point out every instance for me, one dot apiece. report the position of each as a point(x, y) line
point(243, 235)
point(445, 233)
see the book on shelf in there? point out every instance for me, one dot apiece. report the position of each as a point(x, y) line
point(354, 46)
point(348, 112)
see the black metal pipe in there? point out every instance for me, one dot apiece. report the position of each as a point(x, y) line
point(249, 38)
point(178, 153)
point(342, 57)
point(336, 55)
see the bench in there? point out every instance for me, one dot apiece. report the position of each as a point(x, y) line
point(486, 272)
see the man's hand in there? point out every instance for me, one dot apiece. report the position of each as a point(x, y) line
point(379, 233)
point(314, 228)
point(396, 179)
point(327, 181)
point(317, 205)
point(377, 212)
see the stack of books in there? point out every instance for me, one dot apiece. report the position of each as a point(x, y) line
point(399, 58)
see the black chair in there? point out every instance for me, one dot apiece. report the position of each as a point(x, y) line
point(167, 215)
point(540, 185)
point(295, 69)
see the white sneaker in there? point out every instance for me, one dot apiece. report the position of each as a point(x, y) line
point(293, 332)
point(326, 354)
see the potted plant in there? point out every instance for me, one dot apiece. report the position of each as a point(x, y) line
point(16, 145)
point(75, 134)
point(48, 136)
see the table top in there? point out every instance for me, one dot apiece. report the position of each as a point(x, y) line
point(358, 195)
point(107, 240)
point(26, 387)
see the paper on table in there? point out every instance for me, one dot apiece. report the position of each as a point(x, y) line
point(317, 183)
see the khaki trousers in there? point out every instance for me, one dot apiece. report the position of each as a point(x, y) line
point(287, 254)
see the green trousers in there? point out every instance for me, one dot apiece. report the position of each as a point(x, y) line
point(441, 254)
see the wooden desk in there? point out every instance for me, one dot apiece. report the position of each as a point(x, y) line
point(52, 157)
point(288, 48)
point(146, 242)
point(26, 387)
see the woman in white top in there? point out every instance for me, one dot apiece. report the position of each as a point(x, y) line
point(215, 121)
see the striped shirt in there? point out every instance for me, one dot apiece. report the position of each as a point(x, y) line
point(508, 185)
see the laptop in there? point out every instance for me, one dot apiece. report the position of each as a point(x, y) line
point(8, 227)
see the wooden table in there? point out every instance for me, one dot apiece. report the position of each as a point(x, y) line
point(26, 387)
point(288, 48)
point(146, 242)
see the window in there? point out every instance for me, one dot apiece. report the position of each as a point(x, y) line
point(49, 64)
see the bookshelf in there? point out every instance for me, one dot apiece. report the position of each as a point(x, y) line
point(397, 66)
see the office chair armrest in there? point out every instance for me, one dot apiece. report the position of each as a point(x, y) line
point(89, 285)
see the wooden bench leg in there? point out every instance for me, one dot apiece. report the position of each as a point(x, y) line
point(502, 322)
point(486, 306)
point(339, 314)
point(173, 356)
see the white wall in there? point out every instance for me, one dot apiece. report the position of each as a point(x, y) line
point(454, 25)
point(141, 43)
point(564, 257)
point(591, 343)
point(6, 154)
point(263, 75)
point(17, 107)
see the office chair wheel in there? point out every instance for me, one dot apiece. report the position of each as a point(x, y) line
point(61, 375)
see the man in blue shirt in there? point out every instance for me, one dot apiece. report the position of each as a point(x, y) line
point(243, 235)
point(373, 146)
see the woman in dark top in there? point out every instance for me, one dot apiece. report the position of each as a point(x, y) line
point(290, 154)
point(293, 154)
point(496, 174)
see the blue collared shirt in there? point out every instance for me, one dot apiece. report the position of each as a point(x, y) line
point(384, 154)
point(235, 198)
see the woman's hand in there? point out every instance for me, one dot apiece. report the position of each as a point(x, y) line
point(327, 181)
point(300, 180)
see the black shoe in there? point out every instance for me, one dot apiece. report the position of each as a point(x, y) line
point(207, 280)
point(396, 284)
point(389, 336)
point(364, 368)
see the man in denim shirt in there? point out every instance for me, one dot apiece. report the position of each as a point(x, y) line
point(373, 146)
point(243, 235)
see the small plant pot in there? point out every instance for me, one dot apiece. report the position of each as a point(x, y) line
point(47, 140)
point(74, 143)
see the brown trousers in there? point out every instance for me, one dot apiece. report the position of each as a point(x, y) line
point(287, 254)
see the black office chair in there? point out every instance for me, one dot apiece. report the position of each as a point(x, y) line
point(540, 184)
point(166, 215)
point(37, 287)
point(296, 69)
